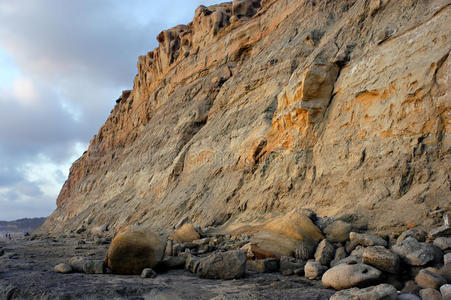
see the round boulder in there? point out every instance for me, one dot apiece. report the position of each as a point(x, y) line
point(345, 276)
point(133, 250)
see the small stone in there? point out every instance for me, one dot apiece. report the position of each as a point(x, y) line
point(63, 268)
point(430, 294)
point(223, 265)
point(427, 279)
point(148, 273)
point(267, 265)
point(445, 290)
point(381, 258)
point(314, 270)
point(378, 292)
point(94, 267)
point(289, 264)
point(367, 239)
point(338, 231)
point(443, 243)
point(325, 253)
point(413, 252)
point(418, 233)
point(345, 276)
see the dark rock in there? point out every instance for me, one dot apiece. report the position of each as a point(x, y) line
point(148, 273)
point(94, 267)
point(173, 262)
point(304, 251)
point(223, 265)
point(381, 258)
point(267, 265)
point(418, 233)
point(288, 265)
point(325, 253)
point(77, 263)
point(414, 253)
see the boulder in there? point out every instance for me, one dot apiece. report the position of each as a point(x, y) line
point(94, 267)
point(366, 239)
point(338, 231)
point(192, 263)
point(430, 294)
point(282, 235)
point(245, 8)
point(443, 243)
point(418, 233)
point(223, 265)
point(267, 265)
point(382, 259)
point(427, 279)
point(378, 292)
point(445, 290)
point(410, 287)
point(413, 252)
point(186, 233)
point(63, 268)
point(444, 230)
point(314, 270)
point(290, 265)
point(134, 249)
point(345, 276)
point(148, 273)
point(325, 253)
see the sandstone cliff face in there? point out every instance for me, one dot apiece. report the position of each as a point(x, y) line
point(260, 107)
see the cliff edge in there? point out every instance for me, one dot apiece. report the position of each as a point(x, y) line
point(256, 108)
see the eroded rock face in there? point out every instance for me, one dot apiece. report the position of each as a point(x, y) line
point(339, 106)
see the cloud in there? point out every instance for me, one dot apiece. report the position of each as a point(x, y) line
point(62, 65)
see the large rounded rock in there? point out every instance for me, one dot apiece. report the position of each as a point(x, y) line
point(378, 292)
point(345, 276)
point(134, 249)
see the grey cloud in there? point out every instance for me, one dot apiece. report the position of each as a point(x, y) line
point(76, 53)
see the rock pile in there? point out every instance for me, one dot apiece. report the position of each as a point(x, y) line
point(412, 265)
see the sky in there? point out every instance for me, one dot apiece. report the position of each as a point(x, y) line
point(62, 65)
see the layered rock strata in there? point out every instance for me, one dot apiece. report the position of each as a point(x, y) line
point(256, 108)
